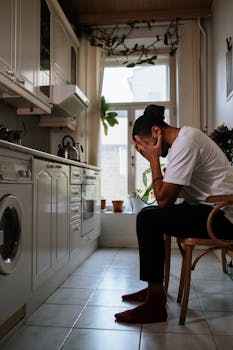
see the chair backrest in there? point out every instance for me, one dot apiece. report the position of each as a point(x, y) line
point(220, 201)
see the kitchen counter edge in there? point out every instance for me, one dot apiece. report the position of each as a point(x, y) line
point(43, 155)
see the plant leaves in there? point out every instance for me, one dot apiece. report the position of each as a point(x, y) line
point(172, 52)
point(111, 119)
point(131, 65)
point(150, 61)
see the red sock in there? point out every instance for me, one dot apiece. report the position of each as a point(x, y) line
point(141, 295)
point(138, 296)
point(152, 310)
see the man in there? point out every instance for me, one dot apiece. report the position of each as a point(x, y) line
point(196, 169)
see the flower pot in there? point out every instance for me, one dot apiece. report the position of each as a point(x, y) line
point(103, 204)
point(117, 205)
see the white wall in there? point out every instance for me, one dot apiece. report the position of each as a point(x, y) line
point(36, 137)
point(222, 27)
point(188, 75)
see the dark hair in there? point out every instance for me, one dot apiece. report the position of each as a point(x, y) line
point(153, 115)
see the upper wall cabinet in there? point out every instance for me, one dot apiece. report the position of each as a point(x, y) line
point(19, 53)
point(64, 47)
point(18, 43)
point(38, 48)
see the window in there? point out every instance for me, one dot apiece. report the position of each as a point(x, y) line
point(129, 91)
point(139, 84)
point(114, 159)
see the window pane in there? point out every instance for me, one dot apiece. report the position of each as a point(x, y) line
point(114, 159)
point(138, 84)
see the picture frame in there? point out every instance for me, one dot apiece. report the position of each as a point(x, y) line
point(229, 69)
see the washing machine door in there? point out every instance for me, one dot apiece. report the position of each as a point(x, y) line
point(11, 225)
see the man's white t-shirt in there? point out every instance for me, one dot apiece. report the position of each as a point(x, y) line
point(197, 163)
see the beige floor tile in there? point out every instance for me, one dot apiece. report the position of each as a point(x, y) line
point(224, 343)
point(100, 317)
point(195, 324)
point(70, 296)
point(176, 342)
point(220, 323)
point(55, 315)
point(91, 339)
point(208, 286)
point(103, 297)
point(36, 338)
point(82, 281)
point(216, 302)
point(122, 283)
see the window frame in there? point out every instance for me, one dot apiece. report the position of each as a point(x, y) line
point(131, 108)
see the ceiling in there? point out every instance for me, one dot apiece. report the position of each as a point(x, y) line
point(122, 11)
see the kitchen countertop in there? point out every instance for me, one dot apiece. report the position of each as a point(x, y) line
point(43, 155)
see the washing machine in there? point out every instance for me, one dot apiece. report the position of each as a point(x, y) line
point(15, 238)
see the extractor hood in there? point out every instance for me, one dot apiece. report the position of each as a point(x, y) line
point(67, 100)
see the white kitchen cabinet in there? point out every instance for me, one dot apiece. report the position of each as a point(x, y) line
point(51, 219)
point(61, 47)
point(38, 49)
point(19, 43)
point(64, 45)
point(19, 53)
point(7, 37)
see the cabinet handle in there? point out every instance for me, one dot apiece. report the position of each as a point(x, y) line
point(11, 75)
point(58, 166)
point(77, 174)
point(51, 166)
point(10, 72)
point(22, 173)
point(20, 81)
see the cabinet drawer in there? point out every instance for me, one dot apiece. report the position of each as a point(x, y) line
point(75, 235)
point(75, 193)
point(76, 175)
point(75, 210)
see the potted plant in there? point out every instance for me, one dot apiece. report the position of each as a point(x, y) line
point(223, 136)
point(108, 118)
point(142, 197)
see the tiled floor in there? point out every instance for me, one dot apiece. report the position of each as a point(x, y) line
point(80, 314)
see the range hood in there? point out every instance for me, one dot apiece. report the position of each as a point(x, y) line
point(67, 100)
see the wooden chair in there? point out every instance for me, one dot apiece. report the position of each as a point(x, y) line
point(186, 246)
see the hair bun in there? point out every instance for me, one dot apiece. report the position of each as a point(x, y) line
point(155, 111)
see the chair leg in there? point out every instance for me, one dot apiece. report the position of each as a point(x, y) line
point(187, 279)
point(224, 260)
point(182, 276)
point(167, 262)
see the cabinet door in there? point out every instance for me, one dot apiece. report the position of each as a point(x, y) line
point(7, 37)
point(27, 43)
point(43, 236)
point(61, 214)
point(51, 219)
point(61, 53)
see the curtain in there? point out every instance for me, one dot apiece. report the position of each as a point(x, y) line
point(188, 75)
point(91, 68)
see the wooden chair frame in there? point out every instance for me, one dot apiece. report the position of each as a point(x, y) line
point(186, 246)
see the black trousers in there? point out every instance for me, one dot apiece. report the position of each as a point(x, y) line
point(178, 220)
